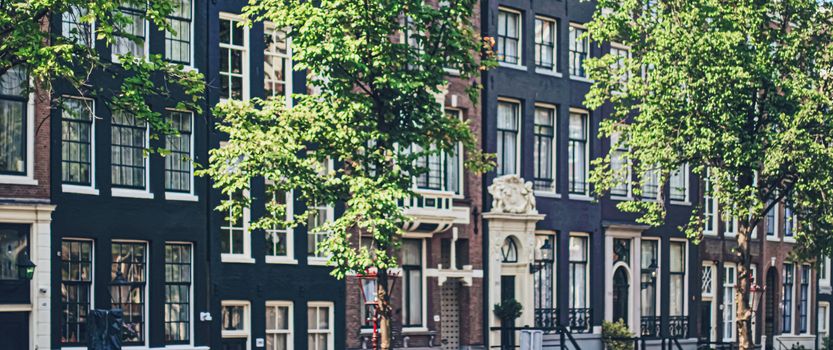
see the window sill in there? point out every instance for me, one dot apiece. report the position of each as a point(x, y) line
point(406, 330)
point(130, 193)
point(186, 347)
point(236, 259)
point(452, 72)
point(18, 180)
point(772, 238)
point(709, 233)
point(186, 197)
point(581, 197)
point(281, 260)
point(79, 189)
point(621, 198)
point(317, 261)
point(789, 239)
point(547, 194)
point(581, 79)
point(519, 67)
point(548, 72)
point(684, 203)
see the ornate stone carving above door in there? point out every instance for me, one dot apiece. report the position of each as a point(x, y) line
point(510, 194)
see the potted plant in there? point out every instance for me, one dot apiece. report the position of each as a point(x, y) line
point(508, 311)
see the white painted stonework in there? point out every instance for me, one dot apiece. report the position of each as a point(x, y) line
point(39, 217)
point(513, 215)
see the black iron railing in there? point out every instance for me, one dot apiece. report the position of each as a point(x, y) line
point(579, 320)
point(678, 326)
point(546, 319)
point(649, 326)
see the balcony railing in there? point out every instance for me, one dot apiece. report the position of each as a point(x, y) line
point(579, 320)
point(650, 326)
point(432, 211)
point(678, 326)
point(546, 318)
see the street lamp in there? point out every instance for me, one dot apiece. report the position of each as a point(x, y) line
point(25, 267)
point(757, 293)
point(371, 302)
point(652, 268)
point(543, 256)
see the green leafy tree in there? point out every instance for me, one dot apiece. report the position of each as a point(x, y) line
point(378, 67)
point(738, 90)
point(34, 43)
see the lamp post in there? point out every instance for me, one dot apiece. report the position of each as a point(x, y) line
point(25, 267)
point(543, 257)
point(371, 302)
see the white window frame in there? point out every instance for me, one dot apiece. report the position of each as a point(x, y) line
point(190, 196)
point(572, 27)
point(424, 292)
point(824, 274)
point(290, 323)
point(810, 297)
point(130, 192)
point(729, 317)
point(92, 282)
point(244, 53)
point(554, 70)
point(658, 282)
point(92, 30)
point(192, 65)
point(290, 234)
point(518, 139)
point(146, 319)
point(686, 249)
point(313, 259)
point(686, 185)
point(520, 45)
point(91, 189)
point(191, 295)
point(459, 154)
point(776, 212)
point(629, 175)
point(247, 320)
point(793, 221)
point(619, 47)
point(246, 256)
point(553, 191)
point(726, 221)
point(588, 143)
point(267, 26)
point(146, 42)
point(330, 325)
point(709, 293)
point(708, 186)
point(29, 177)
point(589, 265)
point(823, 313)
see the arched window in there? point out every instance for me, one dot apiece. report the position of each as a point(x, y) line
point(509, 250)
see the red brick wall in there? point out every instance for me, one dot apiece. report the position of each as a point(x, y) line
point(41, 154)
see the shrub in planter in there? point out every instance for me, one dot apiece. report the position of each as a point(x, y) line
point(508, 310)
point(612, 334)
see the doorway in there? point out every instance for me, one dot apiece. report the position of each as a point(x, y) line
point(769, 307)
point(706, 320)
point(621, 291)
point(16, 323)
point(450, 315)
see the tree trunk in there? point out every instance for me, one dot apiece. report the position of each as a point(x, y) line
point(744, 312)
point(384, 310)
